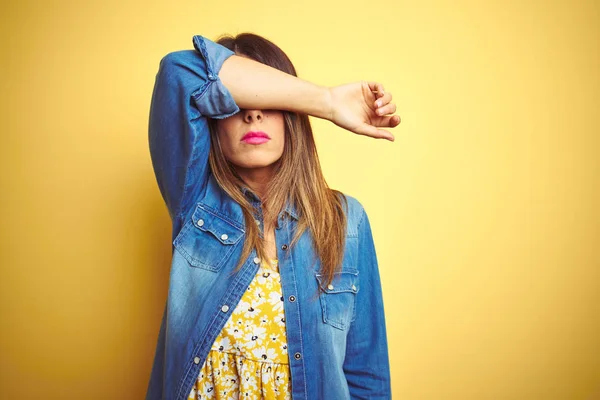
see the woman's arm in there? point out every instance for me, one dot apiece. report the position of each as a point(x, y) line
point(186, 93)
point(351, 106)
point(212, 82)
point(254, 85)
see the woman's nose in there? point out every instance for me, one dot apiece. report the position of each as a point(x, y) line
point(253, 115)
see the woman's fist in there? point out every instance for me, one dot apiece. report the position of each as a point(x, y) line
point(363, 108)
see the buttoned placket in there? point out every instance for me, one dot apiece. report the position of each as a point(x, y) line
point(256, 203)
point(291, 306)
point(231, 299)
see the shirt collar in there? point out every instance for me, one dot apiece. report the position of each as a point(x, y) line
point(219, 202)
point(289, 208)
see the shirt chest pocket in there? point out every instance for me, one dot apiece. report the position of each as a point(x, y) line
point(338, 299)
point(207, 240)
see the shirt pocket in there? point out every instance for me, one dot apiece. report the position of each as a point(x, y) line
point(338, 299)
point(207, 240)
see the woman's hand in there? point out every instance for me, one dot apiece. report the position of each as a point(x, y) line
point(353, 107)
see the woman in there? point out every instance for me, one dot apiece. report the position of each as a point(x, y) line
point(274, 287)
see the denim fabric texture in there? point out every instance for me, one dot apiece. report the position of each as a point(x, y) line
point(337, 338)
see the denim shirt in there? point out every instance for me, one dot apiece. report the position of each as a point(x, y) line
point(336, 338)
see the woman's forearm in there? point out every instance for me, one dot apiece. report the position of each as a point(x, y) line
point(254, 85)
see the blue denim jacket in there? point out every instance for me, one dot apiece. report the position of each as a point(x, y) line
point(336, 340)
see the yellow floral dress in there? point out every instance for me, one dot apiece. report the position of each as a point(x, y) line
point(249, 358)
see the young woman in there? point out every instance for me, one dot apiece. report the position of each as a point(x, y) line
point(274, 287)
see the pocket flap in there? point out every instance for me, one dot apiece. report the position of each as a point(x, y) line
point(344, 281)
point(223, 230)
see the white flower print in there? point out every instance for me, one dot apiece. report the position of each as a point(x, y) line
point(259, 333)
point(271, 354)
point(264, 320)
point(207, 390)
point(280, 320)
point(222, 344)
point(261, 296)
point(236, 332)
point(249, 383)
point(270, 286)
point(262, 277)
point(266, 374)
point(238, 349)
point(242, 305)
point(251, 340)
point(232, 383)
point(256, 365)
point(252, 311)
point(262, 353)
point(276, 301)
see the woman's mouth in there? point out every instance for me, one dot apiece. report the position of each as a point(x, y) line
point(255, 137)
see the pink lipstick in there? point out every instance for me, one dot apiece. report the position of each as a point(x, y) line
point(255, 137)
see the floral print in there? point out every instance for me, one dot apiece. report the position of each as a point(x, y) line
point(249, 358)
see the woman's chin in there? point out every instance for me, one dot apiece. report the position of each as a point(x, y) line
point(255, 163)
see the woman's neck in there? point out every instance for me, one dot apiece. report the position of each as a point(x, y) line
point(257, 179)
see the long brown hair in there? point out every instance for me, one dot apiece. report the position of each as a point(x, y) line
point(298, 180)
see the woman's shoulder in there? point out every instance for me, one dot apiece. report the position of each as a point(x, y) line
point(354, 212)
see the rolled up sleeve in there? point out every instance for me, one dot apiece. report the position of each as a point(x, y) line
point(187, 91)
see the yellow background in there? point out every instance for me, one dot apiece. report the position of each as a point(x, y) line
point(484, 210)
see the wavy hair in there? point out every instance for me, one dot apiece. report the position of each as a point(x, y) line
point(298, 179)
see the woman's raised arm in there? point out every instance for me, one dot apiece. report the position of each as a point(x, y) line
point(352, 106)
point(212, 82)
point(186, 93)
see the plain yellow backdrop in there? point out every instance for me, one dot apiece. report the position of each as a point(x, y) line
point(484, 210)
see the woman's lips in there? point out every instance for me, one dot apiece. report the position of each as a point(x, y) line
point(255, 137)
point(255, 140)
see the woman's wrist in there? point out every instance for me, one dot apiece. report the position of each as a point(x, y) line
point(312, 99)
point(325, 105)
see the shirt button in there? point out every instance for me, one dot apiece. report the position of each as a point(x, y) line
point(353, 287)
point(256, 260)
point(330, 287)
point(200, 222)
point(224, 236)
point(196, 360)
point(225, 308)
point(297, 356)
point(257, 222)
point(284, 246)
point(292, 298)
